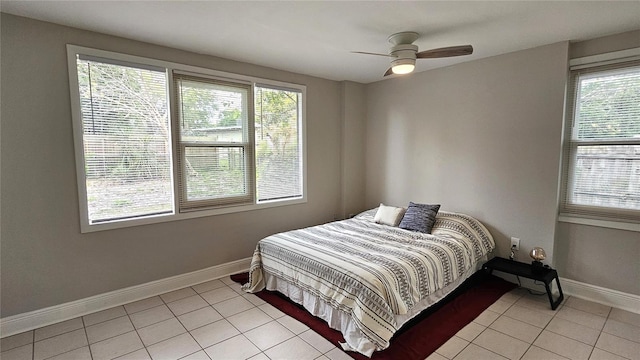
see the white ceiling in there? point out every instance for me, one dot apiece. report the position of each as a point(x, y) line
point(316, 37)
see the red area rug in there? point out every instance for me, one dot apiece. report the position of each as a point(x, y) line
point(423, 334)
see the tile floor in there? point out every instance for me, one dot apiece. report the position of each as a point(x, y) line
point(216, 320)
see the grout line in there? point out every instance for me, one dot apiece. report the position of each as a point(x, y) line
point(86, 336)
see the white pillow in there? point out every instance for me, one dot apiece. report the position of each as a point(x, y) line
point(389, 215)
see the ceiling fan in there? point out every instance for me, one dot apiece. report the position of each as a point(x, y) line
point(405, 52)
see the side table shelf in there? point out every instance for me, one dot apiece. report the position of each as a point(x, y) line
point(544, 274)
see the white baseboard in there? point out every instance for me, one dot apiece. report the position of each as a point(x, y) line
point(601, 295)
point(35, 319)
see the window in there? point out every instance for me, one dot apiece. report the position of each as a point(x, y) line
point(278, 149)
point(215, 142)
point(602, 167)
point(158, 141)
point(126, 142)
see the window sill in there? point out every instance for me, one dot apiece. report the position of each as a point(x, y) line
point(620, 225)
point(87, 228)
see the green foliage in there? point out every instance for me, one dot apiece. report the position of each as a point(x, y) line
point(609, 107)
point(230, 117)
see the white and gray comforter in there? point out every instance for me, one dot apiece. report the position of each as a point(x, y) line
point(371, 271)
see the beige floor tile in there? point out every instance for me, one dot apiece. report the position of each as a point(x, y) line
point(219, 294)
point(143, 304)
point(619, 346)
point(200, 355)
point(486, 317)
point(337, 354)
point(581, 317)
point(475, 352)
point(500, 306)
point(237, 347)
point(59, 344)
point(294, 348)
point(321, 357)
point(255, 300)
point(116, 346)
point(160, 331)
point(563, 346)
point(174, 348)
point(187, 304)
point(249, 319)
point(108, 329)
point(573, 331)
point(536, 353)
point(232, 306)
point(18, 340)
point(151, 316)
point(623, 330)
point(200, 317)
point(237, 288)
point(502, 344)
point(599, 354)
point(82, 353)
point(516, 328)
point(271, 311)
point(452, 347)
point(532, 317)
point(314, 339)
point(141, 354)
point(214, 333)
point(625, 316)
point(208, 286)
point(260, 356)
point(435, 356)
point(471, 331)
point(104, 315)
point(588, 306)
point(59, 328)
point(268, 335)
point(24, 352)
point(537, 304)
point(292, 324)
point(227, 280)
point(512, 296)
point(177, 295)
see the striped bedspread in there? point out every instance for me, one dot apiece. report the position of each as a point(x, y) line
point(372, 271)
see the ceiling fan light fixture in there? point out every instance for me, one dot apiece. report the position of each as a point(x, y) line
point(403, 66)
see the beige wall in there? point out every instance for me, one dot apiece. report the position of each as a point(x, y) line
point(481, 138)
point(600, 256)
point(45, 260)
point(354, 113)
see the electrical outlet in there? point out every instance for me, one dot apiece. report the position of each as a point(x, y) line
point(515, 241)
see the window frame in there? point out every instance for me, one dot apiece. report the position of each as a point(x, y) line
point(609, 217)
point(85, 226)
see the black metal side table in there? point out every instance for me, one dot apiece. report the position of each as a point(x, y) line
point(544, 274)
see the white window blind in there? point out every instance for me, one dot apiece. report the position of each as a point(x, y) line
point(601, 178)
point(278, 145)
point(215, 140)
point(126, 139)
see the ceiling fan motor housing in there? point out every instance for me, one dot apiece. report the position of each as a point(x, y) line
point(404, 54)
point(404, 51)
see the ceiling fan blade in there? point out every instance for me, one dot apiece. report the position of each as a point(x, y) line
point(445, 52)
point(389, 72)
point(368, 53)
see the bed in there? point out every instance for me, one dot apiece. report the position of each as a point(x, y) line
point(367, 279)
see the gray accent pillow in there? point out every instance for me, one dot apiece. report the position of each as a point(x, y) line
point(419, 217)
